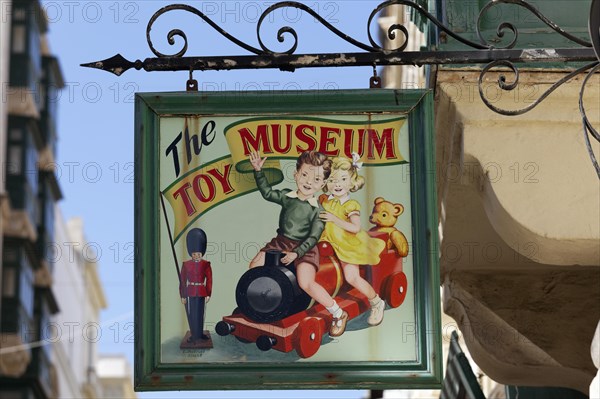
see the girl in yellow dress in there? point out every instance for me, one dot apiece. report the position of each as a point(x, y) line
point(352, 245)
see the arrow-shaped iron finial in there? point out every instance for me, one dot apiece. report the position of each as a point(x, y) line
point(116, 64)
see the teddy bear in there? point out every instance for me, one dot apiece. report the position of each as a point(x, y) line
point(384, 217)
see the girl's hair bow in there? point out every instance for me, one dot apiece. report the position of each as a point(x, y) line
point(357, 165)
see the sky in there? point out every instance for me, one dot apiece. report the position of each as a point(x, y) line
point(96, 118)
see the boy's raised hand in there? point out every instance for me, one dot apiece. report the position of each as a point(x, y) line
point(256, 161)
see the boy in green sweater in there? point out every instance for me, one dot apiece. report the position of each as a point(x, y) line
point(300, 227)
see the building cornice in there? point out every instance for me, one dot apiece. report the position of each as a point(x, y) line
point(93, 280)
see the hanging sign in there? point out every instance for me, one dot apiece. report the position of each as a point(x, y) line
point(286, 241)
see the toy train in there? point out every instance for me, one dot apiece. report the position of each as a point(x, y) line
point(276, 314)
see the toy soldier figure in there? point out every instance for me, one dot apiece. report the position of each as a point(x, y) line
point(195, 285)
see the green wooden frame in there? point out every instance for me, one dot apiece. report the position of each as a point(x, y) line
point(152, 375)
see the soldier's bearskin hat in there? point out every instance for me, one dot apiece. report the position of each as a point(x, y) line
point(196, 241)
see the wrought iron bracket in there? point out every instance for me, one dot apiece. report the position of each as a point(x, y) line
point(290, 62)
point(485, 51)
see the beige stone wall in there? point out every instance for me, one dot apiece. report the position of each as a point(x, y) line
point(532, 171)
point(520, 226)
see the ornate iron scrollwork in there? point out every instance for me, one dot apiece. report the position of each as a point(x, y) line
point(588, 129)
point(485, 51)
point(178, 32)
point(502, 83)
point(373, 53)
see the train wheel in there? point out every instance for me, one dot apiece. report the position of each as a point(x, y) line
point(265, 343)
point(395, 289)
point(223, 328)
point(242, 340)
point(308, 337)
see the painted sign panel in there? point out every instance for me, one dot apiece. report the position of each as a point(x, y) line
point(285, 241)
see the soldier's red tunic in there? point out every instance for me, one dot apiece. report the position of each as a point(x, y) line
point(196, 279)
